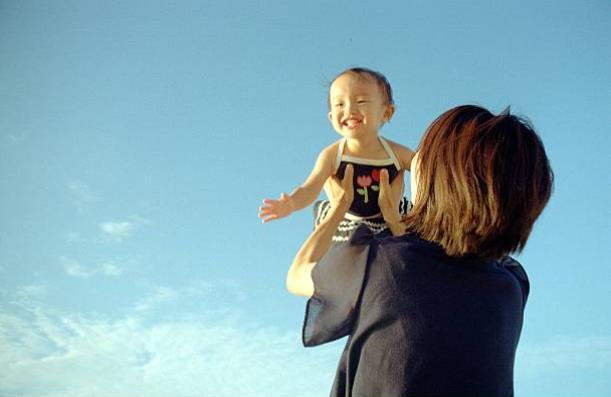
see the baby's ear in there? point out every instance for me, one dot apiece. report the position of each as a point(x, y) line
point(330, 115)
point(390, 110)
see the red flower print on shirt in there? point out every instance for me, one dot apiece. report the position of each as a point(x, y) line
point(363, 180)
point(375, 174)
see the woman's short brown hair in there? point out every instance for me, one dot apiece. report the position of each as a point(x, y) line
point(482, 182)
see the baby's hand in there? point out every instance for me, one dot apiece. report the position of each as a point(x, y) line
point(276, 209)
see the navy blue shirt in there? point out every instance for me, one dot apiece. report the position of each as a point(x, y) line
point(420, 323)
point(366, 182)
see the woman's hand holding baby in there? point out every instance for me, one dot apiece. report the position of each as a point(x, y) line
point(389, 200)
point(341, 192)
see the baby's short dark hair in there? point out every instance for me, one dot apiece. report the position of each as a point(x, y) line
point(378, 77)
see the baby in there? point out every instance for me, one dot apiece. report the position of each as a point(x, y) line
point(360, 102)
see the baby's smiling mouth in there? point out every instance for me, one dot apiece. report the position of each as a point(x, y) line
point(351, 123)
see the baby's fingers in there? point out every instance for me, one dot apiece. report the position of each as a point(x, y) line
point(265, 210)
point(268, 202)
point(270, 218)
point(268, 212)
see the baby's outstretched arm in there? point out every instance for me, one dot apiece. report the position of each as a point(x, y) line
point(305, 194)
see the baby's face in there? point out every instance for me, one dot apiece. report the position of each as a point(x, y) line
point(358, 106)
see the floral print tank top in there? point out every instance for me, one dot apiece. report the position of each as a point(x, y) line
point(366, 178)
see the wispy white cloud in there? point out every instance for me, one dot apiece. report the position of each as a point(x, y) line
point(31, 291)
point(564, 366)
point(15, 138)
point(158, 348)
point(120, 231)
point(74, 237)
point(564, 353)
point(139, 220)
point(117, 231)
point(109, 268)
point(82, 195)
point(158, 296)
point(74, 268)
point(52, 353)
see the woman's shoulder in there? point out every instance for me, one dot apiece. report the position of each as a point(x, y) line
point(408, 238)
point(517, 270)
point(411, 242)
point(411, 250)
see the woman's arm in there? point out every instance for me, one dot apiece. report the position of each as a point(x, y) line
point(341, 194)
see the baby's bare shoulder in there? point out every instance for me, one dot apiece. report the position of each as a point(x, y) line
point(329, 153)
point(403, 153)
point(327, 156)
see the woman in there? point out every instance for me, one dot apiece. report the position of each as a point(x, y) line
point(437, 308)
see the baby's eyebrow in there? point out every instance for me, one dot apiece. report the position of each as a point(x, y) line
point(341, 97)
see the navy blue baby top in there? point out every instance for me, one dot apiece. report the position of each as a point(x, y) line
point(366, 178)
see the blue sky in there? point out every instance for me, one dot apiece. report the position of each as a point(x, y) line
point(137, 140)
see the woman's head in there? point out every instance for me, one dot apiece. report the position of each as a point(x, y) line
point(360, 101)
point(481, 182)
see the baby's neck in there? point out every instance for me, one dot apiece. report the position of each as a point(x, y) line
point(365, 147)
